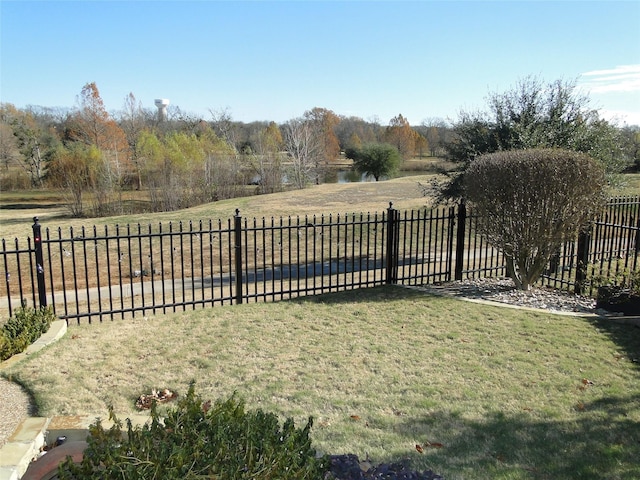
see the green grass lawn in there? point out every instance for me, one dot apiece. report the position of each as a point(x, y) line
point(509, 394)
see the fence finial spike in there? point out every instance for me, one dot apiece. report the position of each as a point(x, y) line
point(237, 212)
point(390, 205)
point(35, 220)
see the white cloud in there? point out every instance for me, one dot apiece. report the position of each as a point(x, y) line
point(623, 78)
point(621, 69)
point(620, 117)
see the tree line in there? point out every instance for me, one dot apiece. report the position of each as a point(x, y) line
point(95, 157)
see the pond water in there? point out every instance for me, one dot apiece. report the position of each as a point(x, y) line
point(339, 175)
point(351, 176)
point(348, 176)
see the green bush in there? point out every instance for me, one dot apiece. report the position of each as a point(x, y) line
point(376, 159)
point(200, 440)
point(23, 329)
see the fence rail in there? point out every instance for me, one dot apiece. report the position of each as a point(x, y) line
point(127, 270)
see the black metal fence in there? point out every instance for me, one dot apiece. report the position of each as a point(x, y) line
point(127, 270)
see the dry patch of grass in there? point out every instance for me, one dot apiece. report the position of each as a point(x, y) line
point(508, 393)
point(404, 192)
point(337, 198)
point(630, 184)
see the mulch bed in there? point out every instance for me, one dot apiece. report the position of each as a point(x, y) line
point(349, 467)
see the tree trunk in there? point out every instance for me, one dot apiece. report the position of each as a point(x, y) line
point(512, 271)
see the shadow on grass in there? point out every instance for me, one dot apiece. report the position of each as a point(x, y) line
point(29, 206)
point(602, 442)
point(623, 333)
point(381, 293)
point(44, 218)
point(33, 401)
point(598, 439)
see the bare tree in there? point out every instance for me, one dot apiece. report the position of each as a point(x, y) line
point(225, 128)
point(435, 131)
point(303, 148)
point(267, 161)
point(133, 122)
point(26, 141)
point(9, 152)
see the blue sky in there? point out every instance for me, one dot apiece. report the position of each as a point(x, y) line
point(273, 60)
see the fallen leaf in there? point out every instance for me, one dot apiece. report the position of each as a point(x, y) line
point(586, 382)
point(365, 465)
point(355, 417)
point(146, 401)
point(428, 444)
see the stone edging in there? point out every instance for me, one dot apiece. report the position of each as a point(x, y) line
point(56, 331)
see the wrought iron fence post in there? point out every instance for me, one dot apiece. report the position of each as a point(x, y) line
point(238, 254)
point(460, 247)
point(637, 239)
point(393, 239)
point(584, 239)
point(37, 243)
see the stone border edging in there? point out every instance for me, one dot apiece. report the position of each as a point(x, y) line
point(56, 331)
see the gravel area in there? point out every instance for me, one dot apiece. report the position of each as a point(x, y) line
point(502, 290)
point(15, 406)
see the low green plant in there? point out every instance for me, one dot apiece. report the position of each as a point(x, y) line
point(619, 276)
point(200, 440)
point(23, 329)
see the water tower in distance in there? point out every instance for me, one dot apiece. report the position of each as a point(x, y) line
point(162, 104)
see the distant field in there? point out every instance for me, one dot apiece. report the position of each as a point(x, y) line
point(18, 208)
point(630, 184)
